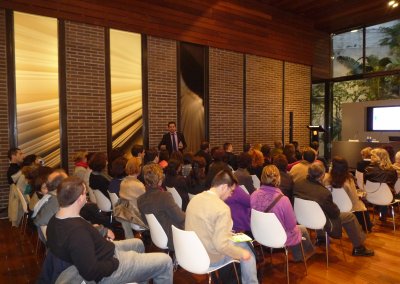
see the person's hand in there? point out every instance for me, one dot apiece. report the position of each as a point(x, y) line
point(246, 255)
point(110, 235)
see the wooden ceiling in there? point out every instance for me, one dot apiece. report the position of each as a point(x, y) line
point(334, 16)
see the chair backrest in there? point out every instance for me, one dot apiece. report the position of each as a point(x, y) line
point(244, 188)
point(397, 186)
point(190, 251)
point(256, 181)
point(378, 193)
point(157, 233)
point(309, 214)
point(114, 198)
point(360, 180)
point(92, 197)
point(103, 203)
point(267, 229)
point(175, 195)
point(21, 198)
point(341, 199)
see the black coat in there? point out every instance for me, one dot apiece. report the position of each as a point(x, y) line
point(166, 140)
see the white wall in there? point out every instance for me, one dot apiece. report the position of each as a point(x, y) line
point(354, 117)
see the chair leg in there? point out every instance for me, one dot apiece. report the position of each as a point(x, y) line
point(304, 257)
point(327, 249)
point(394, 220)
point(270, 253)
point(236, 274)
point(365, 222)
point(287, 265)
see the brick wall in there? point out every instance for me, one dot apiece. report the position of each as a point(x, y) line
point(297, 99)
point(4, 188)
point(226, 98)
point(86, 93)
point(263, 99)
point(162, 86)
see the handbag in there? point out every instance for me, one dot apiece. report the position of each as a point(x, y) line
point(126, 211)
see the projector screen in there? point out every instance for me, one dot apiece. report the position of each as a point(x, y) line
point(383, 118)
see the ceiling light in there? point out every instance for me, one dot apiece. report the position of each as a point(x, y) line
point(391, 3)
point(395, 5)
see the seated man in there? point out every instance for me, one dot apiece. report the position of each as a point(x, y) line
point(16, 157)
point(210, 218)
point(311, 188)
point(159, 202)
point(300, 170)
point(96, 257)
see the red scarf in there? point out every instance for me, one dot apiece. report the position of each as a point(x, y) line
point(81, 164)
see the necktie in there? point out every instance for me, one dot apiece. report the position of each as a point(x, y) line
point(173, 143)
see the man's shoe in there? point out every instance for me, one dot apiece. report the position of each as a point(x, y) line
point(363, 251)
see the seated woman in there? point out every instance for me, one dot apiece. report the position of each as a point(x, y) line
point(242, 174)
point(118, 174)
point(339, 177)
point(239, 203)
point(99, 179)
point(366, 159)
point(81, 165)
point(39, 188)
point(174, 179)
point(264, 198)
point(196, 180)
point(381, 170)
point(257, 163)
point(126, 210)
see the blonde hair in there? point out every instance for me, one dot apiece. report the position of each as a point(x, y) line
point(257, 158)
point(80, 156)
point(133, 166)
point(270, 176)
point(366, 152)
point(152, 174)
point(383, 157)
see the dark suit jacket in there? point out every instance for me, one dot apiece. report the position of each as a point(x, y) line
point(244, 178)
point(162, 205)
point(166, 140)
point(181, 187)
point(310, 190)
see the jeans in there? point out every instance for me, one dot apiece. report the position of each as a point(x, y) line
point(307, 245)
point(137, 266)
point(247, 267)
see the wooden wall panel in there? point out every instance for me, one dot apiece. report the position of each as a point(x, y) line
point(242, 26)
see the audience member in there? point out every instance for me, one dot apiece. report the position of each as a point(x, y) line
point(266, 150)
point(97, 257)
point(151, 156)
point(290, 153)
point(396, 164)
point(163, 158)
point(174, 179)
point(242, 174)
point(40, 177)
point(231, 157)
point(297, 151)
point(205, 153)
point(340, 177)
point(187, 163)
point(214, 226)
point(218, 164)
point(99, 179)
point(118, 174)
point(138, 151)
point(311, 188)
point(366, 159)
point(300, 170)
point(197, 178)
point(81, 164)
point(239, 203)
point(278, 148)
point(315, 146)
point(270, 199)
point(160, 203)
point(286, 180)
point(257, 163)
point(247, 147)
point(16, 157)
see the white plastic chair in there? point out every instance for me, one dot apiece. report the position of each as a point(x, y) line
point(24, 206)
point(191, 254)
point(114, 198)
point(343, 202)
point(309, 214)
point(360, 180)
point(380, 194)
point(256, 181)
point(157, 233)
point(397, 186)
point(268, 231)
point(103, 203)
point(175, 196)
point(92, 197)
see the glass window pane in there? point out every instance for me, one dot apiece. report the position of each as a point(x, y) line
point(383, 47)
point(37, 98)
point(347, 53)
point(126, 89)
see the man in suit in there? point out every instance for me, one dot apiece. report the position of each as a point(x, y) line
point(172, 140)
